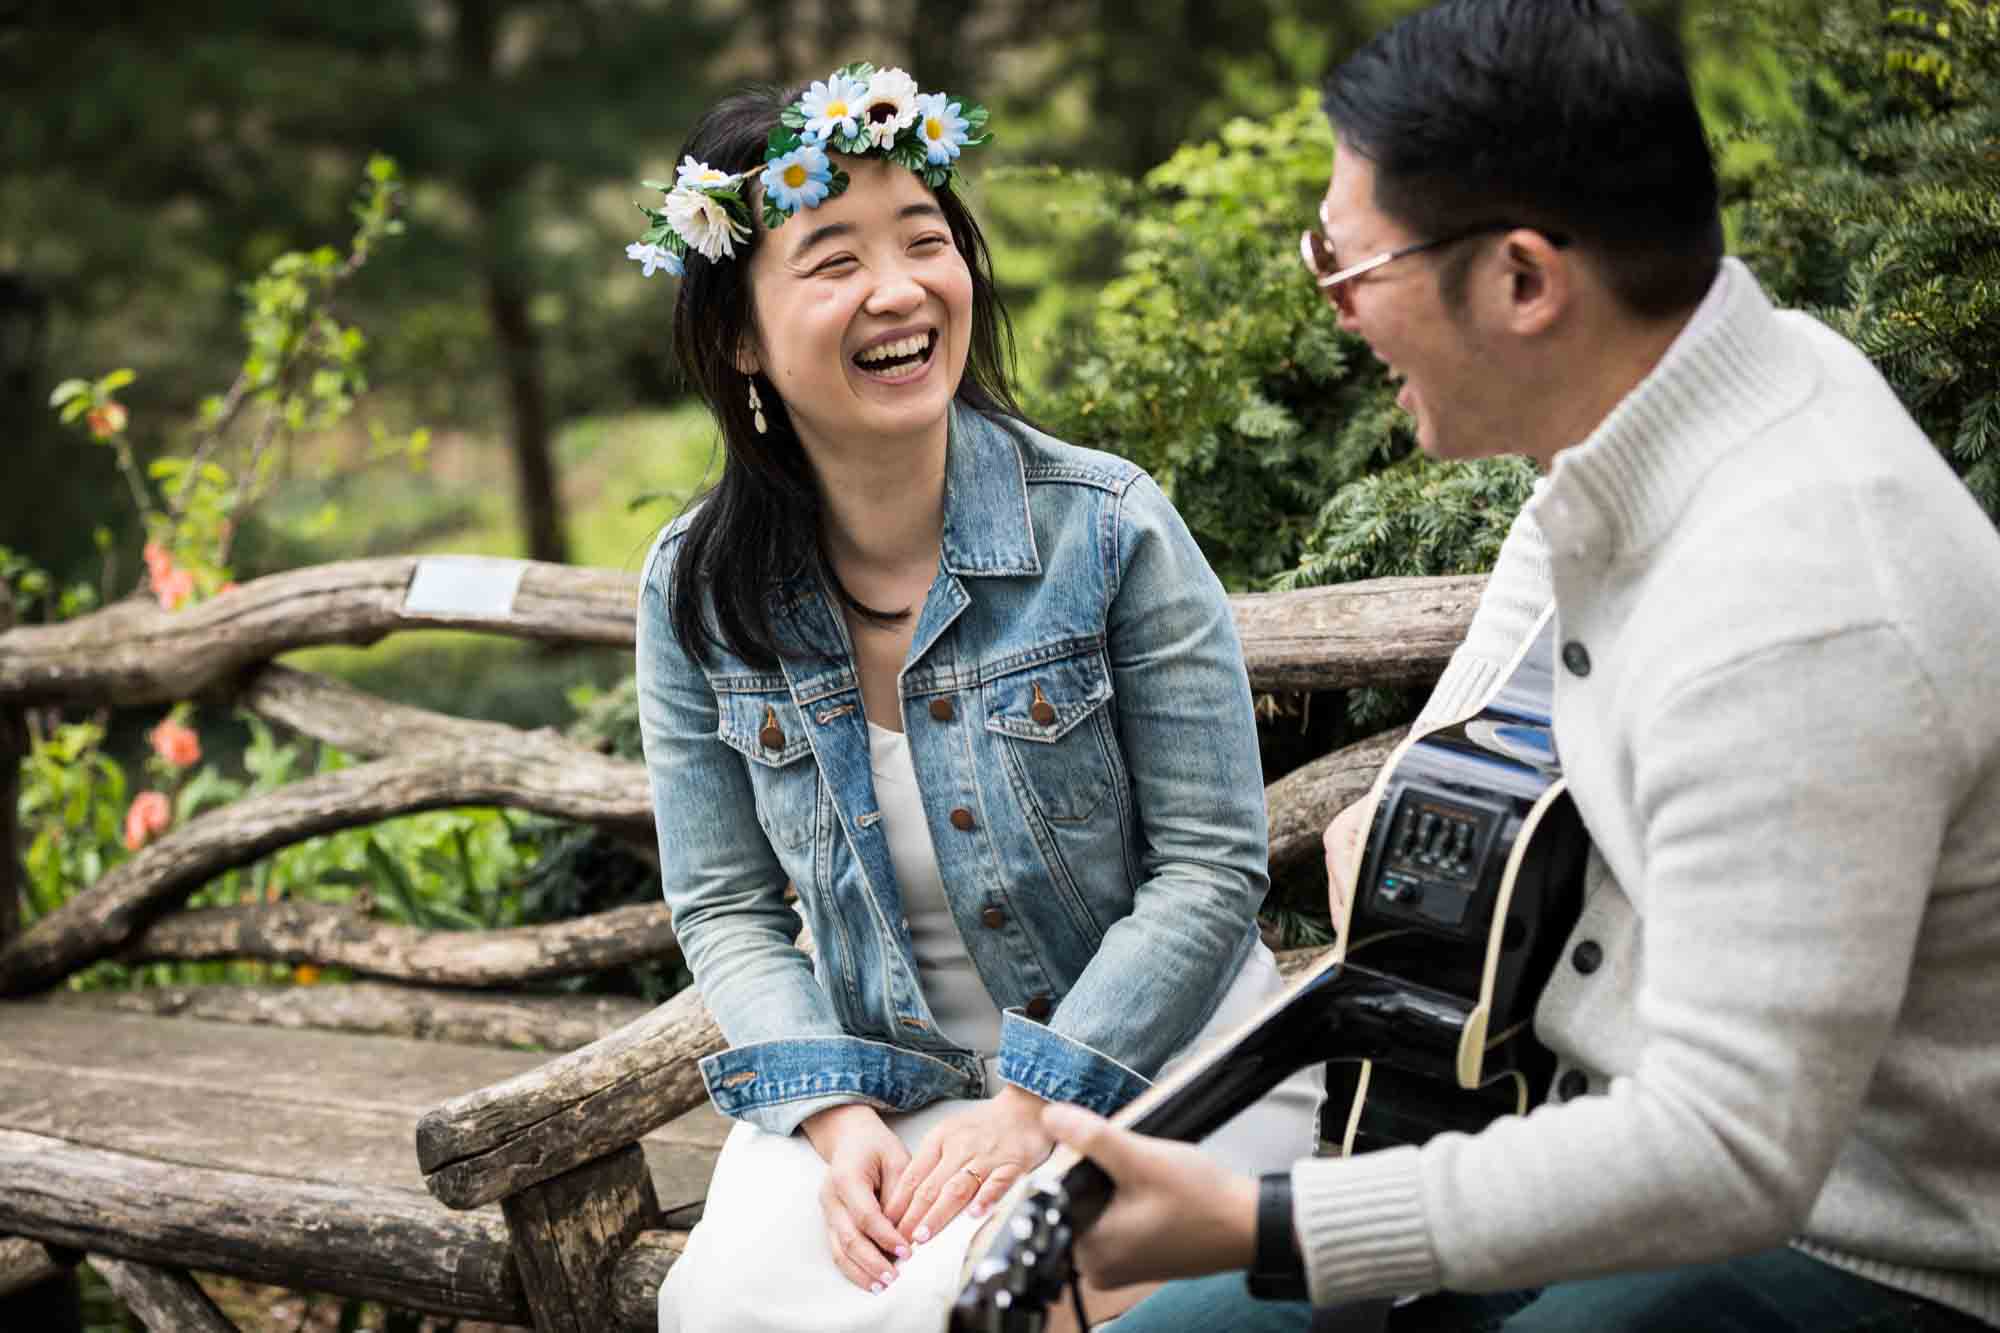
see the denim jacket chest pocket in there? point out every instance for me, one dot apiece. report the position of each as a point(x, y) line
point(766, 727)
point(1053, 722)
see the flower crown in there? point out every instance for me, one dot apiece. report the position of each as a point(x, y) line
point(857, 110)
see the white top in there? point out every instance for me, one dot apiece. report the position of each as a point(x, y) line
point(951, 985)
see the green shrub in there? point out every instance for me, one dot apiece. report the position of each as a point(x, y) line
point(1880, 206)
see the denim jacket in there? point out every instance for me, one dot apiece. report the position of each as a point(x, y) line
point(1080, 723)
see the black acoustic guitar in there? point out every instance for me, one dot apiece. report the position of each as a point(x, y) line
point(1470, 882)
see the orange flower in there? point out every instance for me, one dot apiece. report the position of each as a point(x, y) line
point(149, 815)
point(158, 563)
point(176, 744)
point(305, 974)
point(173, 587)
point(106, 419)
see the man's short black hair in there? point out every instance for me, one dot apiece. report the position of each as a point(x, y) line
point(1570, 116)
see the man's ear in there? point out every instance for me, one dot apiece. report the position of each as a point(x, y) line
point(1541, 281)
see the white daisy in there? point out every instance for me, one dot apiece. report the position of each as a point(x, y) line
point(834, 104)
point(704, 224)
point(890, 106)
point(701, 175)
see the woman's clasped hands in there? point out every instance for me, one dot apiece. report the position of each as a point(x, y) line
point(880, 1201)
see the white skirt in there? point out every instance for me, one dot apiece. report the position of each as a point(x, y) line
point(758, 1261)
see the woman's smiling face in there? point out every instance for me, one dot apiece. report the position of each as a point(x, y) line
point(863, 313)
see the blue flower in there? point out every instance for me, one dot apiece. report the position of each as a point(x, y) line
point(799, 179)
point(655, 257)
point(940, 128)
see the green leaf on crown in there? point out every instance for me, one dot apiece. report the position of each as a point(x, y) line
point(662, 186)
point(784, 138)
point(774, 217)
point(793, 117)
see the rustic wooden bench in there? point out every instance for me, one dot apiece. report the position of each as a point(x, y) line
point(267, 1134)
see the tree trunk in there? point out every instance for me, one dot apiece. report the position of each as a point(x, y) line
point(534, 466)
point(13, 746)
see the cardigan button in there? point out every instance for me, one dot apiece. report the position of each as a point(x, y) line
point(1039, 1007)
point(1572, 1085)
point(941, 709)
point(1587, 956)
point(993, 918)
point(961, 819)
point(1576, 657)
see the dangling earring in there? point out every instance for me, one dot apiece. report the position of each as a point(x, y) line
point(757, 407)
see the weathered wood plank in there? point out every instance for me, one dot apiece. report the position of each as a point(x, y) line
point(310, 1105)
point(299, 932)
point(545, 1022)
point(1303, 802)
point(635, 1284)
point(24, 1262)
point(1371, 632)
point(1376, 631)
point(576, 1108)
point(385, 1245)
point(133, 653)
point(569, 1233)
point(165, 1300)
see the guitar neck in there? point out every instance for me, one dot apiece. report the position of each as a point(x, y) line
point(1339, 1012)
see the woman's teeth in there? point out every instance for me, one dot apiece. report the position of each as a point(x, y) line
point(895, 355)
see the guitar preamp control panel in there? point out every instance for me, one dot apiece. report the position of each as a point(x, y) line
point(1433, 858)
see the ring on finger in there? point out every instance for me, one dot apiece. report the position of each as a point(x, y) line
point(973, 1171)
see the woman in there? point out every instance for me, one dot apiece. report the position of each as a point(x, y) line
point(972, 691)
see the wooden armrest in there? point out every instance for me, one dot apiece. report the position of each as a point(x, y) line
point(501, 1139)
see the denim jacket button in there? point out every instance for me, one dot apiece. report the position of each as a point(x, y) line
point(1041, 710)
point(961, 819)
point(941, 709)
point(993, 918)
point(772, 737)
point(1039, 1007)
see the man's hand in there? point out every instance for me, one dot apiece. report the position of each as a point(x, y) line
point(1344, 846)
point(862, 1154)
point(971, 1158)
point(1176, 1213)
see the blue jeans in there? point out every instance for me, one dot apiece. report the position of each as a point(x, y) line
point(1777, 1291)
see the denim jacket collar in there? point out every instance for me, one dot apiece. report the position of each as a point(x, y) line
point(987, 530)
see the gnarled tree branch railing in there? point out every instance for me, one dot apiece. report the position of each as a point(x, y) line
point(1375, 632)
point(545, 1022)
point(557, 1144)
point(299, 932)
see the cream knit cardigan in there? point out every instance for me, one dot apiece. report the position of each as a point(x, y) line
point(1787, 751)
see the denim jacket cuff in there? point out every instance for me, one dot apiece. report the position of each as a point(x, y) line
point(775, 1085)
point(1059, 1069)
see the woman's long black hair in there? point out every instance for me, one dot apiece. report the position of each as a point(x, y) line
point(761, 522)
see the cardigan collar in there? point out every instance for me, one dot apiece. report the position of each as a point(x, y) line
point(1733, 371)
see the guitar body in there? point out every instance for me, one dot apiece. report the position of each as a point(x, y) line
point(1470, 882)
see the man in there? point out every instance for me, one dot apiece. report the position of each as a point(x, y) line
point(1778, 705)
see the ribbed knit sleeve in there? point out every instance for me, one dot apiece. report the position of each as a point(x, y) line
point(1362, 1227)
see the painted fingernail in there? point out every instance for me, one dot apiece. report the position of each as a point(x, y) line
point(902, 1251)
point(977, 1210)
point(923, 1234)
point(888, 1277)
point(875, 1288)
